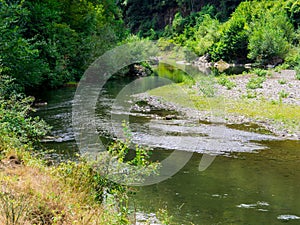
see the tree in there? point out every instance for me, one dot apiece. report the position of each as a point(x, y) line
point(50, 42)
point(20, 56)
point(270, 37)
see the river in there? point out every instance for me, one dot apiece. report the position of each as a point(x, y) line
point(254, 178)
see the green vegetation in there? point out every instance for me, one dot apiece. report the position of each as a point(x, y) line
point(280, 115)
point(282, 81)
point(263, 32)
point(250, 94)
point(255, 82)
point(154, 18)
point(224, 81)
point(259, 72)
point(283, 94)
point(33, 193)
point(48, 43)
point(14, 120)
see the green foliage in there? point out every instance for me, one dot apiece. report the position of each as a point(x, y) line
point(224, 81)
point(141, 16)
point(270, 37)
point(51, 42)
point(19, 55)
point(250, 94)
point(259, 72)
point(15, 121)
point(282, 81)
point(255, 82)
point(233, 41)
point(205, 34)
point(120, 149)
point(260, 31)
point(283, 94)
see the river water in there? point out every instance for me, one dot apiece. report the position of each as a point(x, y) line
point(253, 179)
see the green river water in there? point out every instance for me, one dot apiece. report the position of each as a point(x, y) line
point(258, 185)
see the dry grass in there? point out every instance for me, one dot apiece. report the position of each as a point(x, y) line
point(36, 196)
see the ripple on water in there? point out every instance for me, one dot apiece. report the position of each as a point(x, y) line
point(288, 217)
point(260, 206)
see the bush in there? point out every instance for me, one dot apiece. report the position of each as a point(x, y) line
point(14, 115)
point(260, 72)
point(224, 81)
point(50, 42)
point(233, 42)
point(205, 34)
point(270, 37)
point(255, 82)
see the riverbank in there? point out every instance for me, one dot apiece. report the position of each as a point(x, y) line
point(271, 102)
point(34, 193)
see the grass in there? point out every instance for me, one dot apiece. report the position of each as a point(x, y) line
point(258, 109)
point(68, 193)
point(42, 195)
point(282, 81)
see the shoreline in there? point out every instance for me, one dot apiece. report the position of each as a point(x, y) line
point(208, 117)
point(266, 96)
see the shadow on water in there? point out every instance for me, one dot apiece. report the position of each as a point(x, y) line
point(253, 180)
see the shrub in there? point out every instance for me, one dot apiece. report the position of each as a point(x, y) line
point(205, 34)
point(260, 72)
point(282, 81)
point(255, 82)
point(224, 81)
point(270, 37)
point(19, 55)
point(14, 115)
point(233, 42)
point(283, 94)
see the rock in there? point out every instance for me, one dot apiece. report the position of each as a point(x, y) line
point(141, 71)
point(221, 65)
